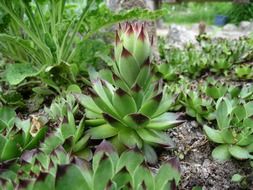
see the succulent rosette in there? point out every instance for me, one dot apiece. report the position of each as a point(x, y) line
point(127, 105)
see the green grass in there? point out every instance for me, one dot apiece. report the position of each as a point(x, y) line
point(188, 13)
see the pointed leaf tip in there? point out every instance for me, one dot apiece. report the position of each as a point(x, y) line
point(105, 146)
point(158, 97)
point(130, 30)
point(120, 92)
point(125, 53)
point(174, 162)
point(136, 88)
point(142, 35)
point(147, 62)
point(117, 38)
point(139, 118)
point(109, 118)
point(61, 170)
point(144, 186)
point(42, 176)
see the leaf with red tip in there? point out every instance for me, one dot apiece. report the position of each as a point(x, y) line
point(168, 173)
point(136, 120)
point(103, 173)
point(143, 178)
point(135, 157)
point(123, 103)
point(105, 146)
point(44, 181)
point(128, 67)
point(150, 106)
point(142, 48)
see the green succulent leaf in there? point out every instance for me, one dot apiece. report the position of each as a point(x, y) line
point(213, 134)
point(44, 181)
point(129, 138)
point(165, 121)
point(102, 131)
point(11, 149)
point(249, 109)
point(34, 142)
point(168, 171)
point(103, 173)
point(224, 108)
point(123, 103)
point(221, 153)
point(155, 137)
point(136, 159)
point(70, 177)
point(7, 117)
point(239, 152)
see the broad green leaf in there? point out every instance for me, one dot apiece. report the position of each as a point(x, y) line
point(213, 134)
point(67, 130)
point(37, 139)
point(239, 152)
point(70, 177)
point(155, 137)
point(222, 113)
point(44, 181)
point(124, 161)
point(122, 178)
point(165, 174)
point(150, 154)
point(52, 141)
point(103, 174)
point(164, 121)
point(16, 73)
point(249, 108)
point(240, 112)
point(102, 131)
point(10, 150)
point(143, 175)
point(129, 138)
point(7, 117)
point(227, 136)
point(221, 153)
point(237, 178)
point(74, 89)
point(123, 103)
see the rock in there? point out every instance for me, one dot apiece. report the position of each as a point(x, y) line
point(245, 25)
point(179, 35)
point(229, 27)
point(150, 4)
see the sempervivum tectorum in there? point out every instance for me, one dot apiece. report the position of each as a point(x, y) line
point(126, 105)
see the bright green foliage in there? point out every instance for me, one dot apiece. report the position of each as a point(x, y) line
point(43, 37)
point(241, 12)
point(211, 56)
point(196, 106)
point(234, 130)
point(108, 171)
point(18, 135)
point(244, 72)
point(70, 133)
point(128, 106)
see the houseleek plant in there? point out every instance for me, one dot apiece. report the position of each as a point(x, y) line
point(126, 105)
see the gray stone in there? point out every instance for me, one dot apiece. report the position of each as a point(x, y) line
point(229, 27)
point(245, 25)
